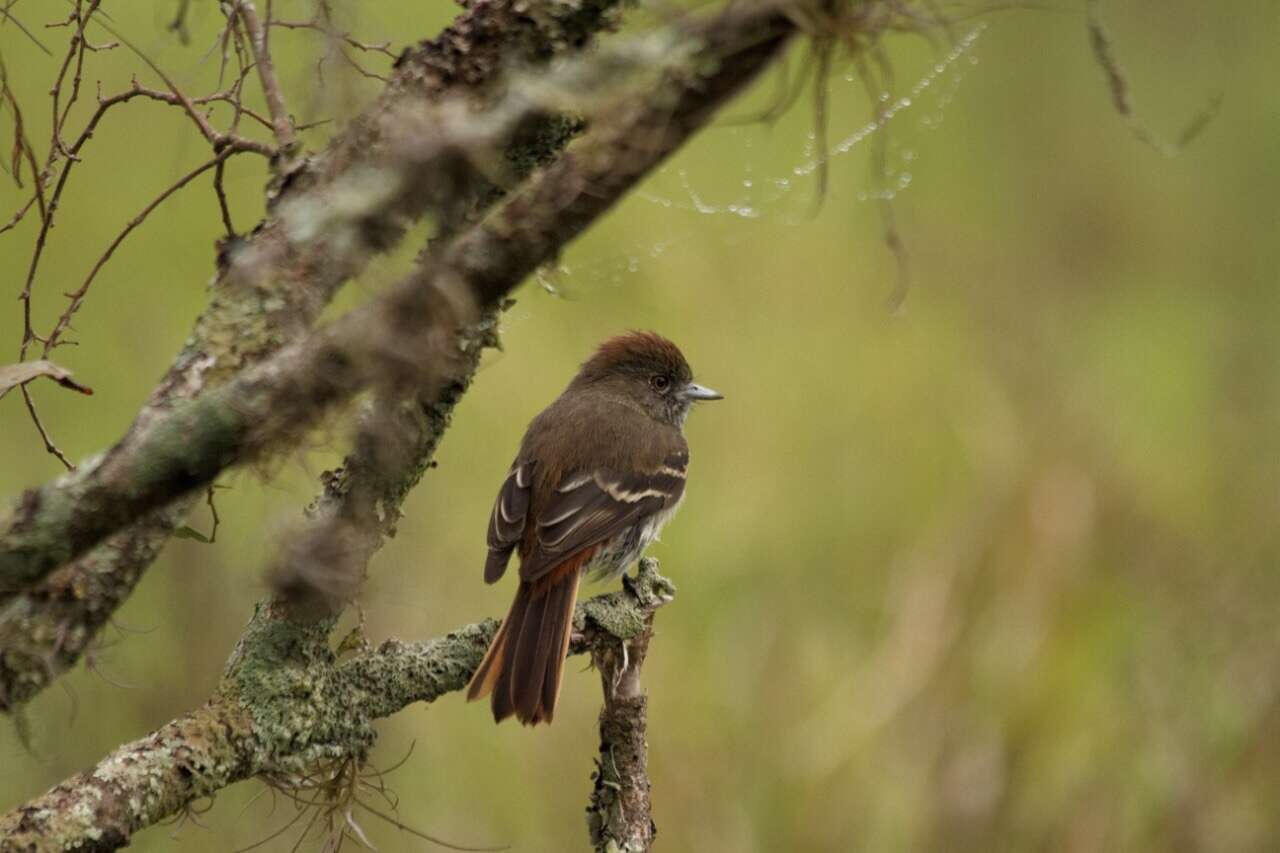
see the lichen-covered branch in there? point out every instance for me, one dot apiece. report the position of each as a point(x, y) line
point(388, 342)
point(287, 703)
point(45, 628)
point(138, 785)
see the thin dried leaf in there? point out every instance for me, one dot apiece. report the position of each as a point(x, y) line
point(23, 372)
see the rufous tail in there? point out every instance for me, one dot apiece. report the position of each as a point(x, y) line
point(524, 666)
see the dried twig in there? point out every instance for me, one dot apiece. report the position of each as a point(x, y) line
point(68, 82)
point(49, 445)
point(76, 297)
point(339, 41)
point(259, 38)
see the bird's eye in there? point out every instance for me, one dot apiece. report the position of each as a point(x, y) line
point(660, 382)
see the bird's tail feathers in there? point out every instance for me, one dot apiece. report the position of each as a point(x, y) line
point(524, 666)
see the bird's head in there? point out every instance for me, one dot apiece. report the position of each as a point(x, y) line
point(649, 370)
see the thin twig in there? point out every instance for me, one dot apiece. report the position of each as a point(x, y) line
point(21, 212)
point(258, 41)
point(77, 297)
point(44, 433)
point(212, 136)
point(213, 511)
point(368, 47)
point(21, 26)
point(218, 190)
point(224, 144)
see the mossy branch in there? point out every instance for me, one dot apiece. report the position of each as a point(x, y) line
point(288, 702)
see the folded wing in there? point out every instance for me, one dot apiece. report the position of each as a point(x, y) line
point(507, 522)
point(588, 508)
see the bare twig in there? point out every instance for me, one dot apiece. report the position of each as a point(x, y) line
point(259, 37)
point(383, 48)
point(49, 446)
point(223, 208)
point(213, 137)
point(19, 213)
point(73, 64)
point(80, 16)
point(76, 297)
point(229, 96)
point(339, 41)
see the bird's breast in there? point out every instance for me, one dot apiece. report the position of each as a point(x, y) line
point(618, 553)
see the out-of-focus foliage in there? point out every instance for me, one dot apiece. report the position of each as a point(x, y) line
point(995, 572)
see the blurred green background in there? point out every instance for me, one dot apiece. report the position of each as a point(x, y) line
point(993, 572)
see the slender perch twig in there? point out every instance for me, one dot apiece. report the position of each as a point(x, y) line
point(619, 816)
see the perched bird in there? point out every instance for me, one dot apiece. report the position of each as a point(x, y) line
point(600, 471)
